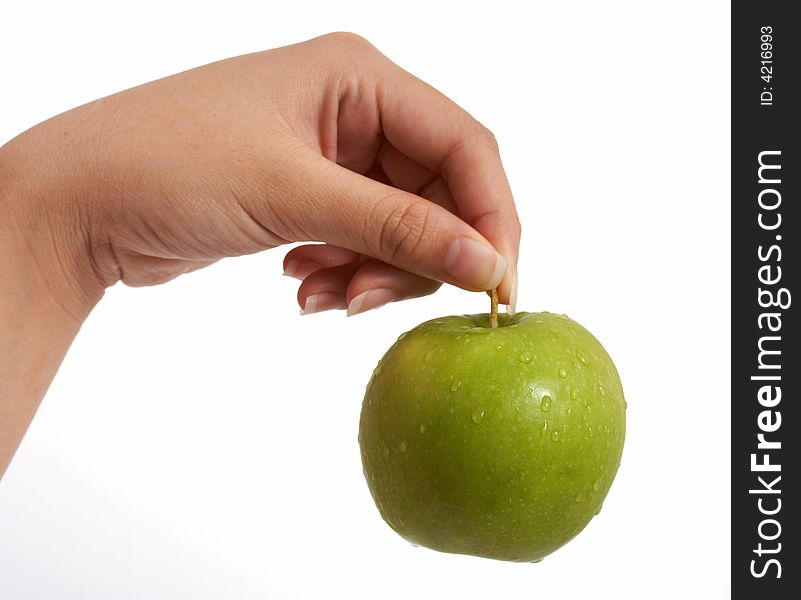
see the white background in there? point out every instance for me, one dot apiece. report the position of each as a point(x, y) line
point(200, 439)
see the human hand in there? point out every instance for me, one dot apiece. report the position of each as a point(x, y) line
point(323, 141)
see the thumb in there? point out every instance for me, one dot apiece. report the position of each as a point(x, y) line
point(399, 228)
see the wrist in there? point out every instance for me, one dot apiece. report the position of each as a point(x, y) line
point(45, 234)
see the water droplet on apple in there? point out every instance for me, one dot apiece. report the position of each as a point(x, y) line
point(478, 416)
point(596, 485)
point(563, 372)
point(582, 358)
point(423, 428)
point(525, 357)
point(403, 447)
point(601, 390)
point(579, 497)
point(573, 394)
point(545, 404)
point(555, 436)
point(597, 512)
point(589, 408)
point(545, 425)
point(625, 405)
point(534, 562)
point(562, 317)
point(456, 385)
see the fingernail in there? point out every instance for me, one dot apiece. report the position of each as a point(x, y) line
point(474, 265)
point(371, 299)
point(512, 306)
point(300, 269)
point(323, 301)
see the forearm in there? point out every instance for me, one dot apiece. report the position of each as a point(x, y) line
point(39, 317)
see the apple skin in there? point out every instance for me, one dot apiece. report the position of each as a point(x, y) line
point(500, 443)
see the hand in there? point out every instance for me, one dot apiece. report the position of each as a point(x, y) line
point(325, 141)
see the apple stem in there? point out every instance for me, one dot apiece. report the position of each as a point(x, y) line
point(494, 308)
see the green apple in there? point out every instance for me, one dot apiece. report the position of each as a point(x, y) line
point(497, 442)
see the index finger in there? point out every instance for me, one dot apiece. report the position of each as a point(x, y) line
point(429, 128)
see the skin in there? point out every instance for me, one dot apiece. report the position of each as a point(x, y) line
point(325, 141)
point(499, 443)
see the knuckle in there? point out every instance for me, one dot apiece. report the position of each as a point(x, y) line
point(403, 227)
point(486, 136)
point(349, 40)
point(477, 137)
point(516, 227)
